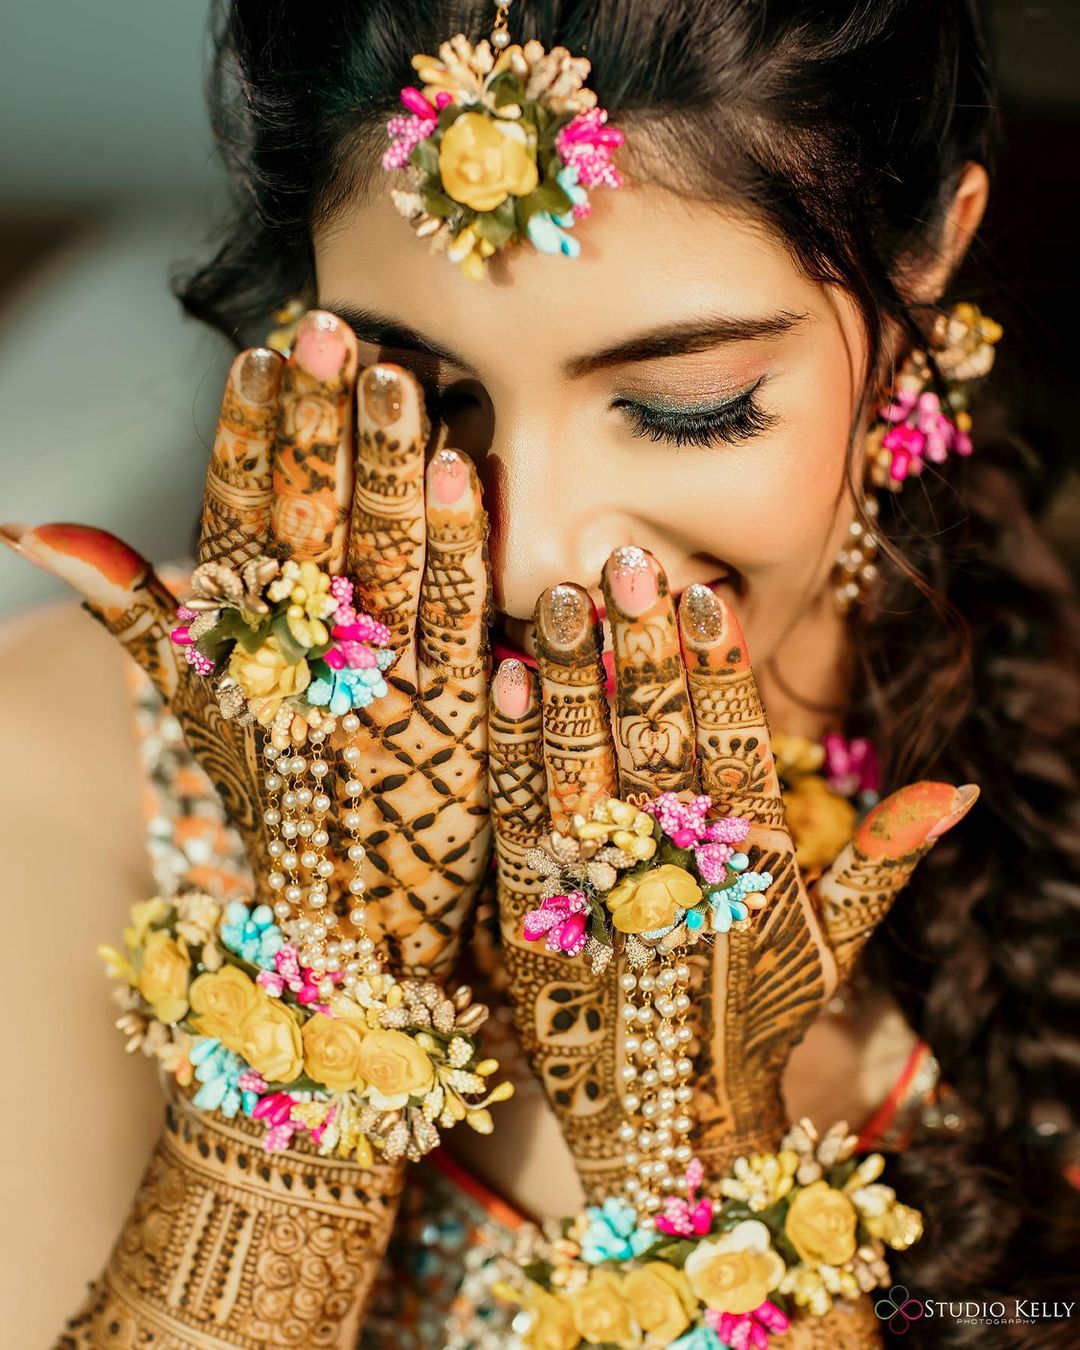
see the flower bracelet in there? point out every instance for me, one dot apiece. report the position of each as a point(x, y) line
point(800, 1228)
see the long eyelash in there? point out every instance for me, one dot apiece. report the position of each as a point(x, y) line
point(736, 421)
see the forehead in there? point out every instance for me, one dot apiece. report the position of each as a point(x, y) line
point(648, 258)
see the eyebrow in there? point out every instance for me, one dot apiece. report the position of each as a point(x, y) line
point(685, 338)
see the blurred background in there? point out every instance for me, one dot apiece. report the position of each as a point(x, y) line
point(108, 180)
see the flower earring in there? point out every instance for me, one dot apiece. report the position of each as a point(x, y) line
point(916, 425)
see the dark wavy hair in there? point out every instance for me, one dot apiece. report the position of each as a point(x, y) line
point(844, 126)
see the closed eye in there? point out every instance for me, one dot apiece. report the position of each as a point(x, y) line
point(738, 419)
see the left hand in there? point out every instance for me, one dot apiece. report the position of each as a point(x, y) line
point(687, 717)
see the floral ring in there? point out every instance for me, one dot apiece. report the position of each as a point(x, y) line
point(650, 876)
point(284, 644)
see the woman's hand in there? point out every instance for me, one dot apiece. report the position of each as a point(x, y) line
point(283, 481)
point(687, 716)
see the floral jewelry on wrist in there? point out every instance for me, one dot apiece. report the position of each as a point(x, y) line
point(501, 145)
point(223, 1000)
point(288, 1012)
point(650, 876)
point(800, 1228)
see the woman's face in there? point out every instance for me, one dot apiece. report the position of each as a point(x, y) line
point(680, 386)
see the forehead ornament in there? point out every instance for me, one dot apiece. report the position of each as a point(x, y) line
point(501, 144)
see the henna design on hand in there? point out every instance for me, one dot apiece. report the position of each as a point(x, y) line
point(578, 751)
point(239, 488)
point(312, 462)
point(454, 611)
point(387, 535)
point(229, 1246)
point(653, 727)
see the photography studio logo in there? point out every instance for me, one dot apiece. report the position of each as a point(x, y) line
point(900, 1310)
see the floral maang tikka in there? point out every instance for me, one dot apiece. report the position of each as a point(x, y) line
point(502, 144)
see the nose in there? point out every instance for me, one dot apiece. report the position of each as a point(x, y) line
point(554, 516)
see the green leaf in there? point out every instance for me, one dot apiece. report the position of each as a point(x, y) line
point(675, 1253)
point(425, 157)
point(497, 226)
point(438, 203)
point(539, 1272)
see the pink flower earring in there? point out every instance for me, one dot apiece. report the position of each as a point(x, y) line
point(917, 426)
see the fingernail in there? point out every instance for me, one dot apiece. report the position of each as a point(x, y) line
point(512, 688)
point(565, 614)
point(632, 580)
point(320, 348)
point(702, 613)
point(259, 375)
point(448, 477)
point(12, 534)
point(382, 395)
point(965, 799)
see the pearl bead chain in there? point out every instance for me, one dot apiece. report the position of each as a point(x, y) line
point(301, 868)
point(655, 1073)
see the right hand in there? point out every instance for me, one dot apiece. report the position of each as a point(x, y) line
point(283, 481)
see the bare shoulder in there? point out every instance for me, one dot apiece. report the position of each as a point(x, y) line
point(72, 844)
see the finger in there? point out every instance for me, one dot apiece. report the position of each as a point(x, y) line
point(578, 753)
point(312, 458)
point(654, 734)
point(734, 753)
point(236, 503)
point(452, 631)
point(119, 588)
point(857, 891)
point(387, 534)
point(517, 782)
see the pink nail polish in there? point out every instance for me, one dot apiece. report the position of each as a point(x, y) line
point(512, 690)
point(448, 477)
point(632, 579)
point(320, 347)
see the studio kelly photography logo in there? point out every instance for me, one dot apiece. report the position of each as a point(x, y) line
point(902, 1311)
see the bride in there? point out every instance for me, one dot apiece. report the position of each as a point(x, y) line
point(608, 477)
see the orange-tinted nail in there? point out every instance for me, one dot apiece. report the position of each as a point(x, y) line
point(966, 797)
point(910, 817)
point(512, 688)
point(632, 579)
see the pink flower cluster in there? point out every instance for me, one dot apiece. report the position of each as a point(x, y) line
point(355, 634)
point(562, 918)
point(181, 635)
point(851, 766)
point(685, 825)
point(691, 1217)
point(741, 1331)
point(586, 144)
point(275, 1108)
point(407, 131)
point(921, 431)
point(299, 980)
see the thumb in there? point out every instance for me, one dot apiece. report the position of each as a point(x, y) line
point(857, 891)
point(118, 586)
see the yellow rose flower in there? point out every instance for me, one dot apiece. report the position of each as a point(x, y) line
point(270, 1041)
point(640, 904)
point(737, 1271)
point(552, 1327)
point(142, 915)
point(820, 1224)
point(601, 1313)
point(164, 976)
point(395, 1068)
point(332, 1049)
point(661, 1300)
point(266, 674)
point(821, 823)
point(222, 1002)
point(483, 160)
